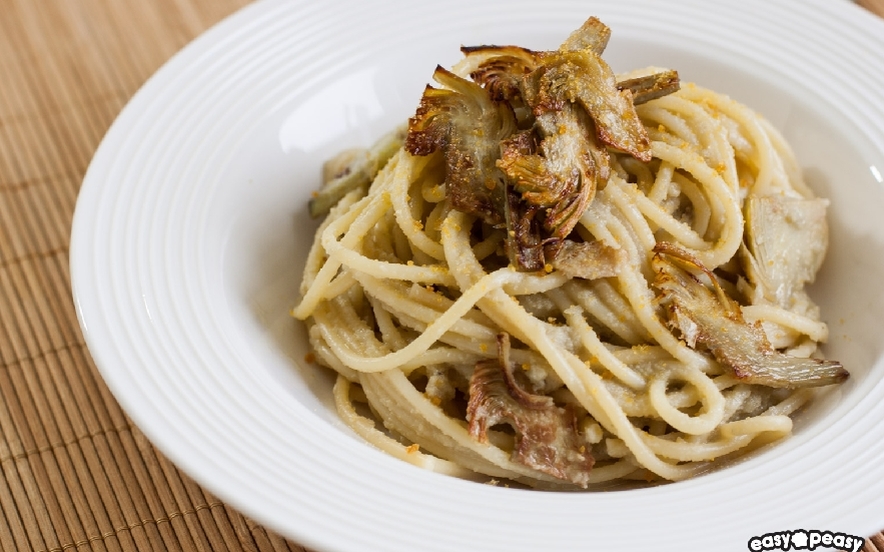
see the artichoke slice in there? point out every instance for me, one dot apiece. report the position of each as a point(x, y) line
point(786, 242)
point(561, 177)
point(706, 316)
point(499, 69)
point(354, 169)
point(467, 126)
point(584, 78)
point(546, 434)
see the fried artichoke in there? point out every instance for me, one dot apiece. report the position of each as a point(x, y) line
point(526, 141)
point(698, 307)
point(546, 434)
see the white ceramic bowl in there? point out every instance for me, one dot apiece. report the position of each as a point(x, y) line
point(191, 229)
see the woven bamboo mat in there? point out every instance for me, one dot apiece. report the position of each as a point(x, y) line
point(76, 473)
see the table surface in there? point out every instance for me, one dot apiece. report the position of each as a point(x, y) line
point(77, 473)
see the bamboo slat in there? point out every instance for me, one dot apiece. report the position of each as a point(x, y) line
point(874, 6)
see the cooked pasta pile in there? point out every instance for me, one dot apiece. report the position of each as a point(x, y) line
point(451, 358)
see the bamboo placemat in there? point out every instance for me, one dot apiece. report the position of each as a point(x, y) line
point(76, 473)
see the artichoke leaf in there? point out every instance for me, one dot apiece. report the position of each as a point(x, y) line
point(649, 83)
point(593, 36)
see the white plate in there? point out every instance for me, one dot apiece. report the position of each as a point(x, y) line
point(191, 228)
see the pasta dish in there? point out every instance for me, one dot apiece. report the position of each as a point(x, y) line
point(567, 278)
